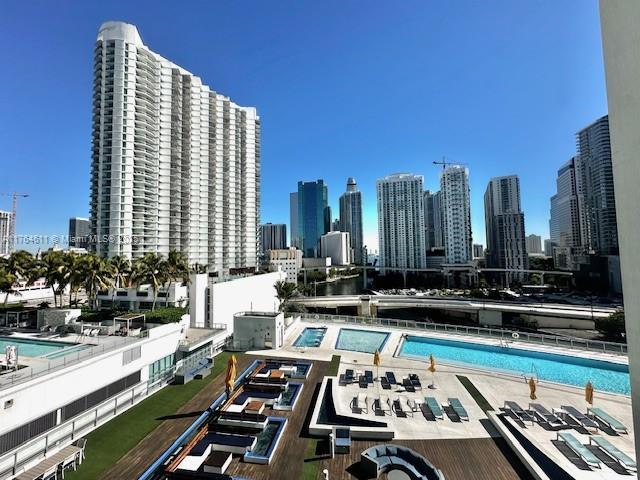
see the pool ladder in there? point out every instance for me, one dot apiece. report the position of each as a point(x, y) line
point(533, 373)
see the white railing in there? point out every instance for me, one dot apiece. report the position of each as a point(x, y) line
point(498, 333)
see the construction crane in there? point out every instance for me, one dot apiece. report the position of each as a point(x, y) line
point(14, 210)
point(444, 163)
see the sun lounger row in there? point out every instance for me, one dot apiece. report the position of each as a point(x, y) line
point(587, 455)
point(565, 416)
point(429, 407)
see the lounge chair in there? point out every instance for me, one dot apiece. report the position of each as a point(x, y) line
point(579, 417)
point(408, 386)
point(397, 408)
point(457, 407)
point(545, 416)
point(434, 406)
point(368, 375)
point(614, 452)
point(383, 404)
point(579, 449)
point(385, 383)
point(415, 381)
point(410, 402)
point(614, 424)
point(349, 375)
point(361, 403)
point(362, 381)
point(391, 377)
point(518, 412)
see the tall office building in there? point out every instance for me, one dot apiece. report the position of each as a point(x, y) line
point(401, 221)
point(548, 247)
point(478, 250)
point(620, 21)
point(293, 219)
point(314, 216)
point(433, 220)
point(6, 244)
point(534, 244)
point(351, 219)
point(598, 194)
point(337, 246)
point(79, 232)
point(456, 215)
point(567, 221)
point(273, 236)
point(175, 165)
point(504, 222)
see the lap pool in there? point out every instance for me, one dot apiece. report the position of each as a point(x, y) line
point(366, 341)
point(570, 370)
point(29, 347)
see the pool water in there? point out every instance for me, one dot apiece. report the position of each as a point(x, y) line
point(570, 370)
point(310, 337)
point(28, 347)
point(265, 438)
point(365, 341)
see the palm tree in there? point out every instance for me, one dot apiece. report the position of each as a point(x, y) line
point(199, 268)
point(285, 291)
point(74, 268)
point(177, 269)
point(56, 273)
point(121, 271)
point(18, 266)
point(151, 269)
point(98, 275)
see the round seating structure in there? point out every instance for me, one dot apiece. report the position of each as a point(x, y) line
point(385, 458)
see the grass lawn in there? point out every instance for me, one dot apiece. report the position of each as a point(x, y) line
point(108, 443)
point(311, 465)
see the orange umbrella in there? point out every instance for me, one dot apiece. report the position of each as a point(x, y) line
point(588, 393)
point(532, 389)
point(231, 372)
point(376, 362)
point(432, 364)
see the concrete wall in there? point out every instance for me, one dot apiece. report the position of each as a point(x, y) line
point(255, 293)
point(259, 331)
point(621, 41)
point(557, 322)
point(198, 284)
point(56, 317)
point(490, 318)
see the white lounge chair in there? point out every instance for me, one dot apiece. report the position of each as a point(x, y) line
point(579, 449)
point(604, 417)
point(614, 452)
point(360, 403)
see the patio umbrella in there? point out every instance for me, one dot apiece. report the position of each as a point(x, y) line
point(376, 362)
point(532, 389)
point(588, 393)
point(231, 374)
point(432, 369)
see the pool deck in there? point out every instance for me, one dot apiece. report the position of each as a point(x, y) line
point(496, 387)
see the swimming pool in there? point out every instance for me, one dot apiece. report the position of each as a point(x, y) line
point(30, 347)
point(310, 337)
point(366, 341)
point(570, 370)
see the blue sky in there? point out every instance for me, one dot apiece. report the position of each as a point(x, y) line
point(344, 88)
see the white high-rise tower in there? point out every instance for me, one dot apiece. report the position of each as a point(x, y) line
point(175, 165)
point(456, 213)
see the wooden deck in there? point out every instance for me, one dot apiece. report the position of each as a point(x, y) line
point(466, 459)
point(151, 447)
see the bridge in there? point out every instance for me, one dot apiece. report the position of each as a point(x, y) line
point(486, 312)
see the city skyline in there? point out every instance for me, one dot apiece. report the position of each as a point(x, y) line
point(494, 150)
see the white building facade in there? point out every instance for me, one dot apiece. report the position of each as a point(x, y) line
point(5, 232)
point(534, 244)
point(401, 221)
point(175, 165)
point(287, 260)
point(456, 215)
point(337, 246)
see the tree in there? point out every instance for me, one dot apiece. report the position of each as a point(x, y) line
point(98, 275)
point(199, 268)
point(56, 273)
point(74, 269)
point(285, 291)
point(121, 273)
point(613, 327)
point(151, 269)
point(177, 269)
point(19, 266)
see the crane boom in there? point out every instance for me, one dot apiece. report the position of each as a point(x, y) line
point(444, 163)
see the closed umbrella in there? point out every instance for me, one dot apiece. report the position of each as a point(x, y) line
point(231, 374)
point(588, 393)
point(532, 389)
point(376, 362)
point(432, 369)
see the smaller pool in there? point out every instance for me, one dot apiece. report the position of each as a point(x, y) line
point(310, 337)
point(266, 441)
point(289, 397)
point(366, 341)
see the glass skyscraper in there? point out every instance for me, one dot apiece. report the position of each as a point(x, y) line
point(313, 209)
point(351, 219)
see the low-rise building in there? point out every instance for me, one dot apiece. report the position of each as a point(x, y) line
point(258, 330)
point(142, 297)
point(322, 264)
point(288, 260)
